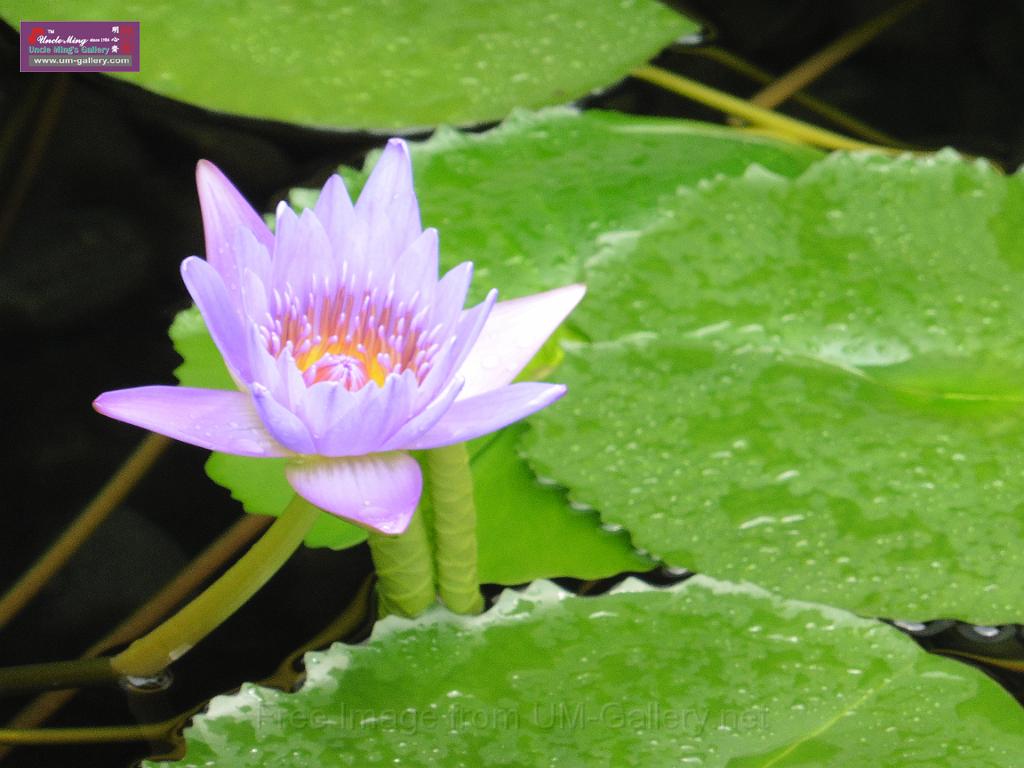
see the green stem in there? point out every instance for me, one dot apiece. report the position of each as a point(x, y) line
point(405, 569)
point(153, 652)
point(109, 733)
point(451, 495)
point(176, 636)
point(55, 675)
point(787, 126)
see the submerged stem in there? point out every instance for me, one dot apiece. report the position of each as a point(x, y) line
point(176, 636)
point(828, 57)
point(184, 584)
point(788, 126)
point(112, 494)
point(405, 569)
point(55, 675)
point(741, 66)
point(109, 733)
point(451, 494)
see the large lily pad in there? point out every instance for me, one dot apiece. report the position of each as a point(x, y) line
point(527, 531)
point(388, 64)
point(529, 201)
point(815, 384)
point(706, 673)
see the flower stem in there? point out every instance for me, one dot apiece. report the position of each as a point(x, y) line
point(451, 494)
point(405, 569)
point(176, 636)
point(211, 560)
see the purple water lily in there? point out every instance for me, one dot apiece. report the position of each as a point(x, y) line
point(346, 347)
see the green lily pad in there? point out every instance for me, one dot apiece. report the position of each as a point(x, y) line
point(706, 673)
point(814, 384)
point(390, 64)
point(527, 531)
point(529, 201)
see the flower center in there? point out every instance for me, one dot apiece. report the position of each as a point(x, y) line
point(350, 372)
point(348, 337)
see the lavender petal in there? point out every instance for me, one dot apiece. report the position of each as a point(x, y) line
point(280, 422)
point(219, 313)
point(423, 421)
point(488, 412)
point(334, 210)
point(513, 333)
point(416, 269)
point(302, 261)
point(387, 209)
point(378, 491)
point(224, 212)
point(216, 419)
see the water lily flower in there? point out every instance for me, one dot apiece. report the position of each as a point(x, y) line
point(347, 349)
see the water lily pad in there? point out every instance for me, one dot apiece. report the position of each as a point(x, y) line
point(528, 202)
point(390, 64)
point(815, 384)
point(527, 531)
point(706, 673)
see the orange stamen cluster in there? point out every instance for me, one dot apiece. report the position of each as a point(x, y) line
point(349, 336)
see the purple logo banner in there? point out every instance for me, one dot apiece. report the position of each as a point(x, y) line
point(79, 46)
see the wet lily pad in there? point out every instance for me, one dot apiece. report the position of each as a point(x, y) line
point(529, 201)
point(385, 65)
point(706, 673)
point(816, 384)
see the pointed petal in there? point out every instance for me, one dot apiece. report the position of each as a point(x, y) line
point(210, 418)
point(255, 302)
point(263, 365)
point(285, 426)
point(460, 342)
point(224, 212)
point(378, 491)
point(335, 211)
point(413, 429)
point(514, 331)
point(488, 412)
point(219, 313)
point(416, 269)
point(470, 325)
point(387, 209)
point(302, 253)
point(450, 293)
point(365, 419)
point(252, 255)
